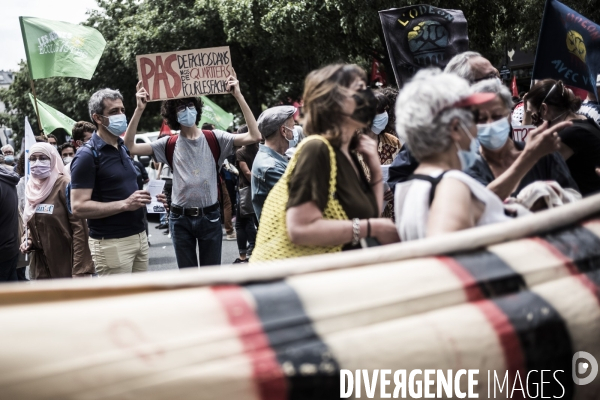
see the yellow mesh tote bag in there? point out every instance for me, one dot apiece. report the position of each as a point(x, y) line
point(272, 240)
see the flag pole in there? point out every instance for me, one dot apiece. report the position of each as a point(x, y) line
point(37, 112)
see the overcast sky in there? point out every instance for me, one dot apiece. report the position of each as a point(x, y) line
point(11, 41)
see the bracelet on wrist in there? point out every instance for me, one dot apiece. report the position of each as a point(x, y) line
point(355, 231)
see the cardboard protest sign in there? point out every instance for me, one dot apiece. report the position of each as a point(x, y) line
point(187, 73)
point(568, 47)
point(422, 36)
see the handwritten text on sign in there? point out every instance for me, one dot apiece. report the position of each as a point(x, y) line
point(187, 73)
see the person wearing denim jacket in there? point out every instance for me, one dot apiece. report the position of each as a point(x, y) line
point(277, 127)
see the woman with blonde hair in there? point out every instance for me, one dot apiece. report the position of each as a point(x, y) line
point(324, 203)
point(58, 240)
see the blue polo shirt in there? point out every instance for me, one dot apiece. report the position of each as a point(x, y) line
point(116, 179)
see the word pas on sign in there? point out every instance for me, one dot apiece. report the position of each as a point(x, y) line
point(186, 73)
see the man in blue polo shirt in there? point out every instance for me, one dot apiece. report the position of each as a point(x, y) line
point(105, 191)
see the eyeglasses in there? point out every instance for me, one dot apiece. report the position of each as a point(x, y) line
point(182, 107)
point(38, 158)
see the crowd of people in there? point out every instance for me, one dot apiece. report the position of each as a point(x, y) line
point(358, 167)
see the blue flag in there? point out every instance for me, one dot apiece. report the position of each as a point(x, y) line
point(568, 47)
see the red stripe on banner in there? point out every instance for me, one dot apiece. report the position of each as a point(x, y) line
point(509, 340)
point(570, 265)
point(266, 372)
point(470, 285)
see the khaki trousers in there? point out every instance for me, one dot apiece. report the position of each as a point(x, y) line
point(120, 256)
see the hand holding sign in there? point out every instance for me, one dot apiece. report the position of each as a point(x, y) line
point(141, 96)
point(233, 85)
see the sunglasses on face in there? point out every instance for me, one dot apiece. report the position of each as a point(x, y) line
point(182, 107)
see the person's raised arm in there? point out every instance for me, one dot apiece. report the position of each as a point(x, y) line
point(253, 135)
point(140, 149)
point(542, 141)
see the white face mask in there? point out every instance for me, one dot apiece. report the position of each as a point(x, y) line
point(67, 160)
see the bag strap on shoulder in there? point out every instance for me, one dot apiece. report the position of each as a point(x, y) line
point(170, 149)
point(332, 162)
point(433, 180)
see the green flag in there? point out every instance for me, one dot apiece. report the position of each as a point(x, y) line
point(213, 114)
point(52, 119)
point(56, 48)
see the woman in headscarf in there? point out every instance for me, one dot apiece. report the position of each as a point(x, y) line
point(58, 241)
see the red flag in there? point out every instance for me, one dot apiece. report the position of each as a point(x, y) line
point(513, 87)
point(377, 75)
point(165, 130)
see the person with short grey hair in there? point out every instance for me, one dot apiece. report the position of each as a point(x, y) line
point(434, 118)
point(277, 128)
point(8, 158)
point(105, 191)
point(506, 166)
point(96, 104)
point(471, 66)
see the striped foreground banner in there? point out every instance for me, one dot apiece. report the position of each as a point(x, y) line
point(515, 308)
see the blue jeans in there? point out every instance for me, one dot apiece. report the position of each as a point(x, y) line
point(203, 231)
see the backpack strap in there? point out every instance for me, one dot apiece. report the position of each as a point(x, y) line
point(215, 149)
point(96, 161)
point(170, 150)
point(434, 182)
point(96, 167)
point(213, 143)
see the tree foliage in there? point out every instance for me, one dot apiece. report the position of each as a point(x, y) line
point(274, 44)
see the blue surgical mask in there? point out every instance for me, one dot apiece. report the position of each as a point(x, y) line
point(9, 159)
point(293, 142)
point(380, 122)
point(117, 124)
point(494, 135)
point(467, 157)
point(187, 117)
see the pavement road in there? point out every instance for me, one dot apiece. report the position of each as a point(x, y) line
point(162, 254)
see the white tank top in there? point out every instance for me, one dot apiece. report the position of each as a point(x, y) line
point(412, 204)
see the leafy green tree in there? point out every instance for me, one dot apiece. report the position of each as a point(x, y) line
point(274, 44)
